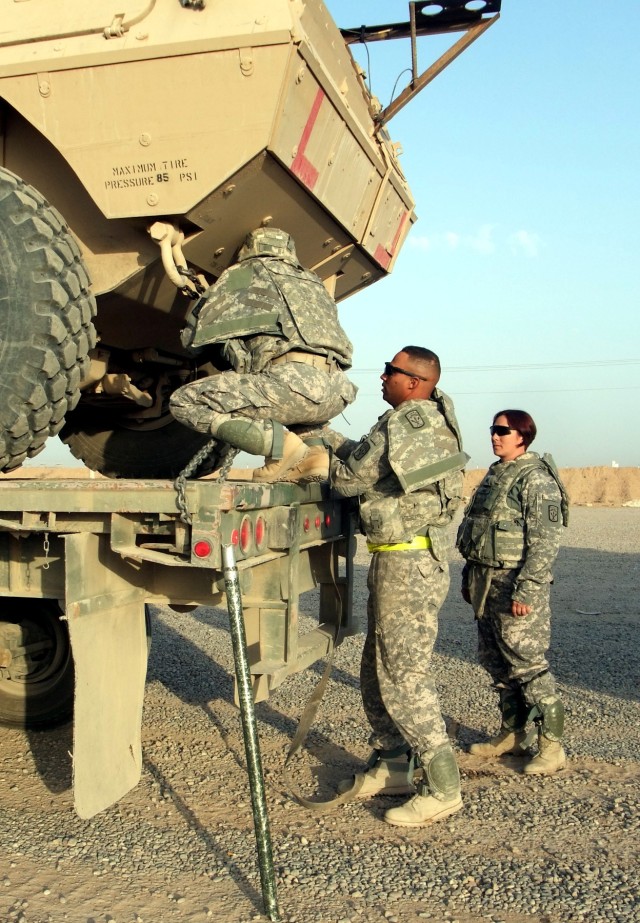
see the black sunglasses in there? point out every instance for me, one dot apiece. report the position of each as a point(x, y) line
point(497, 430)
point(393, 369)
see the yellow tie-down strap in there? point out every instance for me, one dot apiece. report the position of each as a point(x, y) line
point(419, 543)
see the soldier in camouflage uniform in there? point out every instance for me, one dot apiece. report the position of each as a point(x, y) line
point(407, 473)
point(510, 537)
point(277, 328)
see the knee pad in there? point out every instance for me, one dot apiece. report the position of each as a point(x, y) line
point(252, 436)
point(440, 771)
point(513, 708)
point(552, 717)
point(548, 714)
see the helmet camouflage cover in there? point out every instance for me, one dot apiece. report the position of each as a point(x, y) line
point(268, 242)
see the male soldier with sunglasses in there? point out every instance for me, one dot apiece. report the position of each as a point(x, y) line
point(407, 473)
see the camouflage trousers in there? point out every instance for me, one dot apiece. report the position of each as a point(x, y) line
point(290, 393)
point(406, 591)
point(513, 649)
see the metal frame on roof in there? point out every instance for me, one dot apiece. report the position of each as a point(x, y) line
point(429, 17)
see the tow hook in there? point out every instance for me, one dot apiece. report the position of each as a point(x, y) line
point(169, 238)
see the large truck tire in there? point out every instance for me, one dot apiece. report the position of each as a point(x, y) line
point(117, 451)
point(37, 683)
point(37, 686)
point(46, 321)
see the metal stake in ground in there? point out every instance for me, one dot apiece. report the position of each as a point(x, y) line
point(250, 733)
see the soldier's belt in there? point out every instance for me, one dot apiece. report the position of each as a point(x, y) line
point(297, 355)
point(419, 543)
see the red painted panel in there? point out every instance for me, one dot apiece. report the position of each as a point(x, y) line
point(302, 166)
point(382, 256)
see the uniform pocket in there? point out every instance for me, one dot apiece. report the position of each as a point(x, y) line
point(382, 522)
point(440, 543)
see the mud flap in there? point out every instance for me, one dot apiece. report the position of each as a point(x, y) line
point(105, 613)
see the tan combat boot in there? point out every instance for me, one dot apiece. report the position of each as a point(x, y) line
point(314, 466)
point(293, 450)
point(505, 742)
point(512, 736)
point(422, 810)
point(390, 772)
point(439, 794)
point(551, 756)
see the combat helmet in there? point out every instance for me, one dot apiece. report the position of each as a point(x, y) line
point(268, 242)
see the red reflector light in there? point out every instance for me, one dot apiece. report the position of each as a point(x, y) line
point(318, 521)
point(202, 549)
point(245, 534)
point(306, 524)
point(260, 531)
point(327, 519)
point(235, 537)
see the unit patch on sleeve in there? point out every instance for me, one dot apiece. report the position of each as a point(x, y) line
point(414, 419)
point(361, 450)
point(552, 512)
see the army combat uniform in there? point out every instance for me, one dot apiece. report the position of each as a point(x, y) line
point(407, 473)
point(509, 536)
point(277, 328)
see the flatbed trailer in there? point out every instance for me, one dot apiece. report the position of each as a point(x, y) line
point(80, 560)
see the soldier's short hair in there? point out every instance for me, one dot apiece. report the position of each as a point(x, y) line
point(422, 354)
point(521, 421)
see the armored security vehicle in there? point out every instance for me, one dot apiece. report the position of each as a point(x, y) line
point(139, 143)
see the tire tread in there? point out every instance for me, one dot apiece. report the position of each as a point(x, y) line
point(42, 366)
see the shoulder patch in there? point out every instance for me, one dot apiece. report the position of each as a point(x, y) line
point(414, 419)
point(551, 512)
point(361, 450)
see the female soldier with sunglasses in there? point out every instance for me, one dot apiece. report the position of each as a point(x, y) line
point(510, 537)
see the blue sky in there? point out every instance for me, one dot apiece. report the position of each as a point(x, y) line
point(523, 157)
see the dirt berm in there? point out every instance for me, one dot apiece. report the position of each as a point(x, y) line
point(593, 486)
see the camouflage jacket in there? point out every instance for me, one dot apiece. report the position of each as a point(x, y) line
point(514, 521)
point(262, 307)
point(407, 472)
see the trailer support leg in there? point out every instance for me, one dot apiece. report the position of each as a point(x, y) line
point(250, 733)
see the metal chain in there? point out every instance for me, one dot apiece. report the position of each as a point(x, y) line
point(228, 453)
point(46, 546)
point(180, 482)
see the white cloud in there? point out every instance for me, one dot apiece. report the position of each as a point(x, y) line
point(525, 242)
point(482, 241)
point(449, 240)
point(420, 242)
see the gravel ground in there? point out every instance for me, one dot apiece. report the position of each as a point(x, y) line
point(181, 845)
